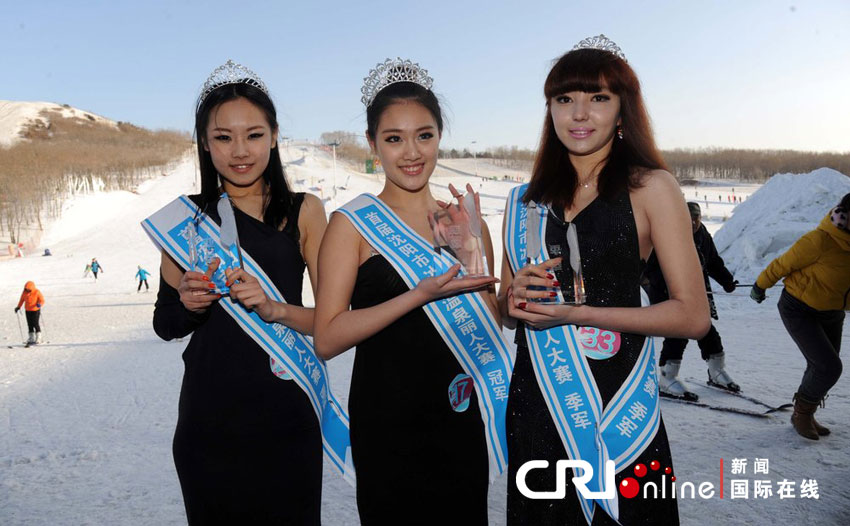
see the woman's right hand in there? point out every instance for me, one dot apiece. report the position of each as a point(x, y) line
point(196, 289)
point(533, 276)
point(437, 287)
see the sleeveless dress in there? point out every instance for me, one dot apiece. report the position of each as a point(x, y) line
point(247, 446)
point(417, 460)
point(611, 268)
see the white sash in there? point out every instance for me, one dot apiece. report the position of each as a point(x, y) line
point(172, 229)
point(620, 432)
point(464, 321)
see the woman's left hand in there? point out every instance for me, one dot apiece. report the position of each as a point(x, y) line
point(249, 293)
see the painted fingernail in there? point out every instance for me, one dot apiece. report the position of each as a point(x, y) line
point(553, 294)
point(550, 276)
point(212, 285)
point(226, 283)
point(521, 305)
point(205, 278)
point(556, 283)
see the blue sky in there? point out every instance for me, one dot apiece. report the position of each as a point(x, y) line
point(747, 74)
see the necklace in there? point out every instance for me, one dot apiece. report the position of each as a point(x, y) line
point(588, 184)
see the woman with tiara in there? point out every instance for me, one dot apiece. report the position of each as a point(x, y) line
point(599, 202)
point(421, 457)
point(247, 447)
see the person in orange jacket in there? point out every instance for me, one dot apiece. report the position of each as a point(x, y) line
point(33, 300)
point(816, 294)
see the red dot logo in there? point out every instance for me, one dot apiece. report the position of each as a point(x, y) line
point(668, 470)
point(629, 488)
point(654, 465)
point(640, 470)
point(673, 479)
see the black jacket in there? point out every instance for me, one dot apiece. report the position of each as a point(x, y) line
point(712, 266)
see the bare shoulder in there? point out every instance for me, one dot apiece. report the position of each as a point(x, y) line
point(654, 181)
point(312, 205)
point(340, 227)
point(657, 187)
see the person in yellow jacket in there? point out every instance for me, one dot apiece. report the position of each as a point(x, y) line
point(33, 300)
point(816, 294)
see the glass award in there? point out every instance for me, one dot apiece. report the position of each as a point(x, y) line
point(203, 250)
point(457, 229)
point(570, 266)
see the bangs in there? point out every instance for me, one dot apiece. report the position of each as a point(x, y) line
point(587, 70)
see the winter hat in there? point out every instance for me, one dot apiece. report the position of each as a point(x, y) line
point(839, 214)
point(694, 209)
point(839, 217)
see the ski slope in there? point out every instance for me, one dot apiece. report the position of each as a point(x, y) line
point(86, 421)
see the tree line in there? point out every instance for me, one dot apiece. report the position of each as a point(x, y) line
point(62, 157)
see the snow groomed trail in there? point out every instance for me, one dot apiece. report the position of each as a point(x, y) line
point(86, 421)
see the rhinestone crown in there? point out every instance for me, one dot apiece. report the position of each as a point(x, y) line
point(389, 72)
point(602, 43)
point(231, 73)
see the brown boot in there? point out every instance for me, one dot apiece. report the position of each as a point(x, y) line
point(822, 431)
point(803, 417)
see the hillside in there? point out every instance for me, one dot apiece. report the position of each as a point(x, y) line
point(17, 119)
point(50, 152)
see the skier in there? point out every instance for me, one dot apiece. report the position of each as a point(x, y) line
point(816, 294)
point(142, 274)
point(96, 267)
point(33, 300)
point(710, 345)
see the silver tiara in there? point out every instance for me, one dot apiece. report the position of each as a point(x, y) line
point(389, 72)
point(231, 73)
point(602, 43)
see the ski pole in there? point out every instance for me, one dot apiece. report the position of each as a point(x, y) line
point(20, 329)
point(726, 295)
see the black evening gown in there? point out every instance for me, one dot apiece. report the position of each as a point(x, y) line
point(611, 267)
point(417, 460)
point(247, 446)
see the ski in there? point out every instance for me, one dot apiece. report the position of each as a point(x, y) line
point(770, 408)
point(725, 409)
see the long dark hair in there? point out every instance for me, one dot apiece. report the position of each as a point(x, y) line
point(402, 91)
point(553, 179)
point(278, 199)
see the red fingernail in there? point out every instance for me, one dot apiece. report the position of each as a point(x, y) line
point(521, 305)
point(550, 276)
point(205, 278)
point(553, 294)
point(226, 283)
point(556, 283)
point(212, 285)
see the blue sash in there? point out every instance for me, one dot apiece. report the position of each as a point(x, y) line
point(171, 229)
point(464, 321)
point(620, 432)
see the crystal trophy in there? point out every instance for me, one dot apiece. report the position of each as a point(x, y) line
point(203, 250)
point(571, 265)
point(579, 295)
point(457, 229)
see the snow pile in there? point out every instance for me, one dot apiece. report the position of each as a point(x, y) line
point(14, 116)
point(772, 219)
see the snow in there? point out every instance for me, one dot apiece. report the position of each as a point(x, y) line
point(86, 421)
point(14, 115)
point(765, 226)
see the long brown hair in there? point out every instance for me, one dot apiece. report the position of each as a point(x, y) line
point(553, 179)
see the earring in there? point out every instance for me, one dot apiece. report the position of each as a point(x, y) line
point(620, 132)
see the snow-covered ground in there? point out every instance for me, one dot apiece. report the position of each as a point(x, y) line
point(14, 115)
point(86, 420)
